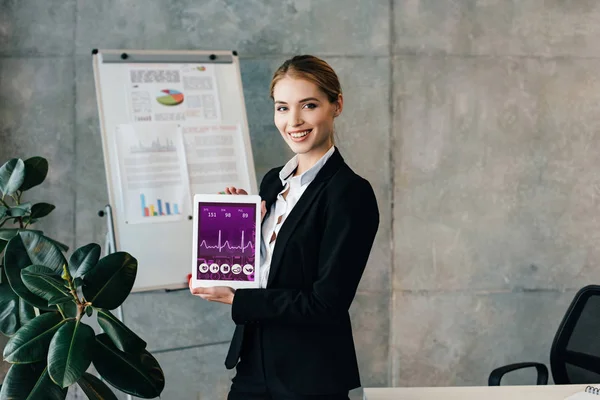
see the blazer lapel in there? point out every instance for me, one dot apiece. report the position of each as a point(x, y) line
point(270, 193)
point(304, 203)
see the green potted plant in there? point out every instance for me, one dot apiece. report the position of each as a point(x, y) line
point(45, 299)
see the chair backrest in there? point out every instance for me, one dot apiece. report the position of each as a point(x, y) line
point(575, 352)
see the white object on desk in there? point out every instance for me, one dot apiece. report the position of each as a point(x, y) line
point(590, 393)
point(541, 392)
point(582, 396)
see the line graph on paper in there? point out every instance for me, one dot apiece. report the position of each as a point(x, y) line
point(226, 235)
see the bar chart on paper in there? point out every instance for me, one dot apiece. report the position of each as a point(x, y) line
point(160, 209)
point(153, 173)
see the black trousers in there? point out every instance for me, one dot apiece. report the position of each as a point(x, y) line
point(253, 382)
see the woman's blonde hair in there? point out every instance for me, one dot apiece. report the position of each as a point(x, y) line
point(312, 69)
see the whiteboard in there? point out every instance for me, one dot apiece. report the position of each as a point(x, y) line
point(163, 249)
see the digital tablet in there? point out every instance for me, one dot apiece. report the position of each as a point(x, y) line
point(226, 246)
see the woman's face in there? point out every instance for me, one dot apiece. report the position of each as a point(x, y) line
point(304, 116)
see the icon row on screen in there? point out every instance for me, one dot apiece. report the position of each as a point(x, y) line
point(236, 269)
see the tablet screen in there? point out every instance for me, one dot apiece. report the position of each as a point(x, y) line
point(226, 235)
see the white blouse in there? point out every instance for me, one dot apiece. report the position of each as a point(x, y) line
point(281, 208)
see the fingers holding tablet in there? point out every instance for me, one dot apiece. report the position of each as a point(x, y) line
point(233, 190)
point(221, 294)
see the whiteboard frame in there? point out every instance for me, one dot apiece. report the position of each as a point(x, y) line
point(110, 56)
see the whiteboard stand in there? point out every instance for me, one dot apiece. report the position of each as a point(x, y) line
point(111, 247)
point(110, 243)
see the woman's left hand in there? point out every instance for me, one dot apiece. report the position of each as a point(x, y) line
point(221, 294)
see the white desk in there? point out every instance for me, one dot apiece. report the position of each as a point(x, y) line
point(542, 392)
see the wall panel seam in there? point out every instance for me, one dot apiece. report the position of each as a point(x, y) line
point(391, 171)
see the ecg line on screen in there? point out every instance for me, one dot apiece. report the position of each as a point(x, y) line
point(220, 246)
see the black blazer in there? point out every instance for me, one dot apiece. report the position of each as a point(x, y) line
point(318, 260)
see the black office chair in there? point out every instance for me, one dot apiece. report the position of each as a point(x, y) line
point(575, 352)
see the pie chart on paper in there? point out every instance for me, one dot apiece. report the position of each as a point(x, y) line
point(170, 97)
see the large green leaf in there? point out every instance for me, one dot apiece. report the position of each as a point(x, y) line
point(29, 221)
point(12, 175)
point(69, 309)
point(58, 244)
point(9, 233)
point(16, 258)
point(136, 374)
point(30, 382)
point(20, 210)
point(94, 388)
point(123, 337)
point(26, 311)
point(43, 251)
point(42, 282)
point(9, 310)
point(3, 278)
point(84, 259)
point(70, 352)
point(36, 170)
point(3, 211)
point(14, 311)
point(78, 282)
point(108, 284)
point(40, 210)
point(3, 244)
point(30, 344)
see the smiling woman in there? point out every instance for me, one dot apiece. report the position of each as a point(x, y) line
point(293, 337)
point(307, 97)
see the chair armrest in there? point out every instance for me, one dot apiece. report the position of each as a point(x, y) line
point(497, 374)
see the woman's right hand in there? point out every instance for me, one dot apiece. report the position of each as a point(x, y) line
point(234, 190)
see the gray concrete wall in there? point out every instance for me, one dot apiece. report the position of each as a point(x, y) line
point(495, 171)
point(475, 121)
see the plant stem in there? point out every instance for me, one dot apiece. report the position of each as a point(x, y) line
point(80, 311)
point(3, 202)
point(74, 294)
point(60, 310)
point(67, 277)
point(80, 305)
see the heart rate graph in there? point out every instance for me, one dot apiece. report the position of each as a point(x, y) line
point(226, 235)
point(220, 245)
